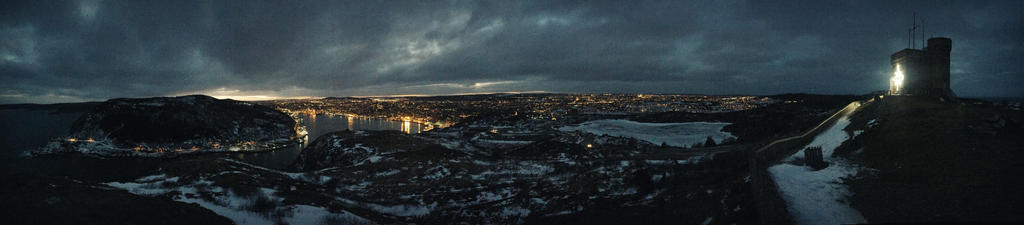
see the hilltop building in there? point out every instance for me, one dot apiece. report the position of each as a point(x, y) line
point(922, 72)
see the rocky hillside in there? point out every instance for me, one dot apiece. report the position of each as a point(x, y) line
point(392, 177)
point(932, 160)
point(158, 126)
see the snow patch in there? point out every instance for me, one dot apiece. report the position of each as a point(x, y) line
point(231, 205)
point(403, 210)
point(674, 134)
point(829, 140)
point(515, 211)
point(508, 142)
point(817, 197)
point(306, 214)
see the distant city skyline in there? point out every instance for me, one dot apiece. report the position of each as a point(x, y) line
point(91, 50)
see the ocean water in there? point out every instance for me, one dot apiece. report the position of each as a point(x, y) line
point(22, 131)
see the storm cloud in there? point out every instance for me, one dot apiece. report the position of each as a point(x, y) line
point(64, 51)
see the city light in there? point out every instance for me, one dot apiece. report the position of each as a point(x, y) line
point(441, 112)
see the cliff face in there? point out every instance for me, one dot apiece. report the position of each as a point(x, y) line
point(186, 123)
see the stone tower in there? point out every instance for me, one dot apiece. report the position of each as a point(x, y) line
point(922, 72)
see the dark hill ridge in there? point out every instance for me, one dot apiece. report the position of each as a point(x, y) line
point(193, 123)
point(931, 160)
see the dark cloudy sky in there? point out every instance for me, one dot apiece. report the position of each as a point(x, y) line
point(64, 51)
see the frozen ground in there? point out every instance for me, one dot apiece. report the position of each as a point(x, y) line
point(818, 197)
point(674, 134)
point(374, 177)
point(238, 208)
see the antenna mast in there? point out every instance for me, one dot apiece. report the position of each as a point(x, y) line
point(913, 32)
point(923, 44)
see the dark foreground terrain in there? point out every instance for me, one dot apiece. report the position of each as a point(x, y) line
point(924, 160)
point(931, 160)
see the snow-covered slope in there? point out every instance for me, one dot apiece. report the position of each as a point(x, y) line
point(819, 197)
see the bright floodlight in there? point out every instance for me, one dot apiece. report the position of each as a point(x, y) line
point(897, 79)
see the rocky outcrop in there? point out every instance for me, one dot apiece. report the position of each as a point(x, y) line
point(186, 124)
point(331, 149)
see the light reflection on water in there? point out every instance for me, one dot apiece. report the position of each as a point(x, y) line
point(24, 130)
point(318, 125)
